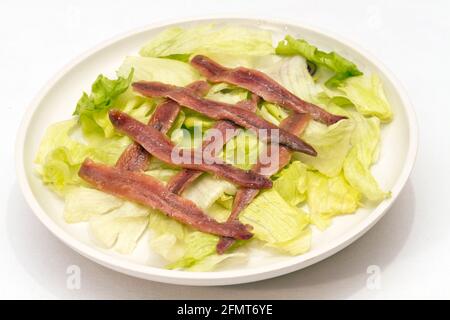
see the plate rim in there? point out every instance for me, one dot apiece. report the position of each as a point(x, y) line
point(229, 277)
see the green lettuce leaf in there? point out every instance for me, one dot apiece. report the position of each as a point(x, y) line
point(243, 150)
point(365, 147)
point(276, 223)
point(291, 184)
point(368, 96)
point(198, 245)
point(332, 144)
point(93, 109)
point(60, 155)
point(180, 43)
point(329, 197)
point(342, 67)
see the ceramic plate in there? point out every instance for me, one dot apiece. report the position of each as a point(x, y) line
point(59, 96)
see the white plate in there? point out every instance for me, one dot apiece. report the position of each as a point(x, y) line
point(59, 96)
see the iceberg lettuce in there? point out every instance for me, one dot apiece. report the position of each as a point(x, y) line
point(120, 228)
point(328, 197)
point(60, 155)
point(290, 183)
point(207, 189)
point(93, 203)
point(332, 144)
point(365, 147)
point(93, 109)
point(276, 223)
point(292, 73)
point(155, 69)
point(180, 43)
point(368, 96)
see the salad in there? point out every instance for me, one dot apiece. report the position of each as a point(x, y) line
point(214, 139)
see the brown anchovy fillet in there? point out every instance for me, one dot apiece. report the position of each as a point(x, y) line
point(262, 85)
point(148, 191)
point(295, 123)
point(227, 130)
point(136, 158)
point(222, 111)
point(162, 148)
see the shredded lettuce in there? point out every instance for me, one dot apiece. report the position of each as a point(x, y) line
point(180, 43)
point(342, 67)
point(276, 223)
point(328, 197)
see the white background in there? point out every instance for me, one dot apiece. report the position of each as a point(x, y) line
point(411, 244)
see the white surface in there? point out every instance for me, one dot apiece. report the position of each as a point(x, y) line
point(410, 244)
point(397, 155)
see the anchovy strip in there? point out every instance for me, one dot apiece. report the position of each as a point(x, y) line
point(262, 85)
point(148, 191)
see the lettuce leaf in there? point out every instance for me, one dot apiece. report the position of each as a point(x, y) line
point(243, 150)
point(276, 223)
point(332, 144)
point(291, 184)
point(167, 238)
point(83, 203)
point(292, 73)
point(92, 109)
point(59, 155)
point(207, 189)
point(227, 93)
point(365, 147)
point(180, 43)
point(342, 67)
point(155, 69)
point(198, 245)
point(368, 96)
point(328, 197)
point(360, 177)
point(120, 228)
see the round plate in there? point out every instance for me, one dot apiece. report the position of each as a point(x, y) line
point(59, 96)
